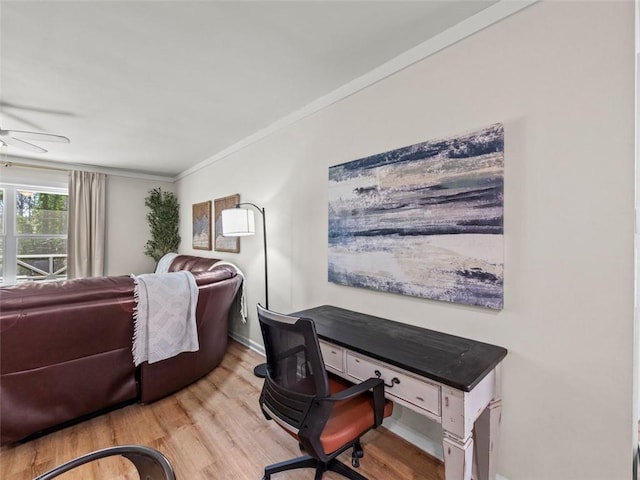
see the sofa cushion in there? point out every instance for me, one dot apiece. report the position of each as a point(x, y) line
point(50, 294)
point(49, 323)
point(193, 264)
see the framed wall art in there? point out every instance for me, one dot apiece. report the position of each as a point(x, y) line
point(222, 243)
point(424, 220)
point(201, 218)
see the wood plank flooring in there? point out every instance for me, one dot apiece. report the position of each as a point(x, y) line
point(213, 429)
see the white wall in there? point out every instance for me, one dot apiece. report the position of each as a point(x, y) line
point(560, 76)
point(127, 230)
point(636, 353)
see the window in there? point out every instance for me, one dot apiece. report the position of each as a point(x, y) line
point(34, 233)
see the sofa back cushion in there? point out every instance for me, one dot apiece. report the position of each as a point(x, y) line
point(65, 352)
point(51, 322)
point(193, 264)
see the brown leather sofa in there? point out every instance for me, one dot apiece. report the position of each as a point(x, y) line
point(65, 347)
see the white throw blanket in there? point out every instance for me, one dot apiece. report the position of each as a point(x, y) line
point(164, 316)
point(165, 262)
point(244, 311)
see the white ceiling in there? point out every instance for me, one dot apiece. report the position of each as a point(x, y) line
point(160, 86)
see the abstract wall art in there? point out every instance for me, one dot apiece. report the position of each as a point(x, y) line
point(222, 243)
point(424, 220)
point(201, 218)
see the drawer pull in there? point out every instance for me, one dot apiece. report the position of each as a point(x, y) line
point(420, 399)
point(334, 352)
point(394, 380)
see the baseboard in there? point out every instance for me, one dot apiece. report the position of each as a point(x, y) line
point(247, 342)
point(423, 443)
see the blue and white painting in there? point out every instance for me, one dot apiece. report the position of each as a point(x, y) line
point(424, 220)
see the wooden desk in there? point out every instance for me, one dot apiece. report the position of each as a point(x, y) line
point(449, 379)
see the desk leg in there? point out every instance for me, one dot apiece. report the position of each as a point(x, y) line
point(485, 434)
point(458, 458)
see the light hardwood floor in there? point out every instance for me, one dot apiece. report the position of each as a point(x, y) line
point(213, 429)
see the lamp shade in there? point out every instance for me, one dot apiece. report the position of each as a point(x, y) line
point(238, 222)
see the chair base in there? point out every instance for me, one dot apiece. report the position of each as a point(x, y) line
point(309, 462)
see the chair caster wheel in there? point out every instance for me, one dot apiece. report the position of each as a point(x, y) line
point(266, 477)
point(356, 455)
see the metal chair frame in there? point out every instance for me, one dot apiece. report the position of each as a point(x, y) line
point(150, 463)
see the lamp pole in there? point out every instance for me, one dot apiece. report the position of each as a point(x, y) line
point(264, 240)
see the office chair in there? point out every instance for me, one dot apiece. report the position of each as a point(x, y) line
point(150, 463)
point(325, 415)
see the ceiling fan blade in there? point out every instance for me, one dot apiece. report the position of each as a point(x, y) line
point(37, 136)
point(15, 142)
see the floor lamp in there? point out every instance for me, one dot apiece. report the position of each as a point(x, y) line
point(240, 222)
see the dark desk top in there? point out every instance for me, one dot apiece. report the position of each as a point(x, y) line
point(454, 361)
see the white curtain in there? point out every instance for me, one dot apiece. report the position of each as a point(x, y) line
point(85, 240)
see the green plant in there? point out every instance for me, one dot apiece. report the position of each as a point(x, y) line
point(164, 219)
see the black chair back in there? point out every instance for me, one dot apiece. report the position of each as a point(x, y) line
point(295, 369)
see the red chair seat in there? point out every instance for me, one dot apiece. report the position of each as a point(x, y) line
point(349, 418)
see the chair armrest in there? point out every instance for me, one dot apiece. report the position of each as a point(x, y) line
point(150, 463)
point(376, 385)
point(357, 389)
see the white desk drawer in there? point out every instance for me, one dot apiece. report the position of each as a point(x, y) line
point(416, 391)
point(333, 356)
